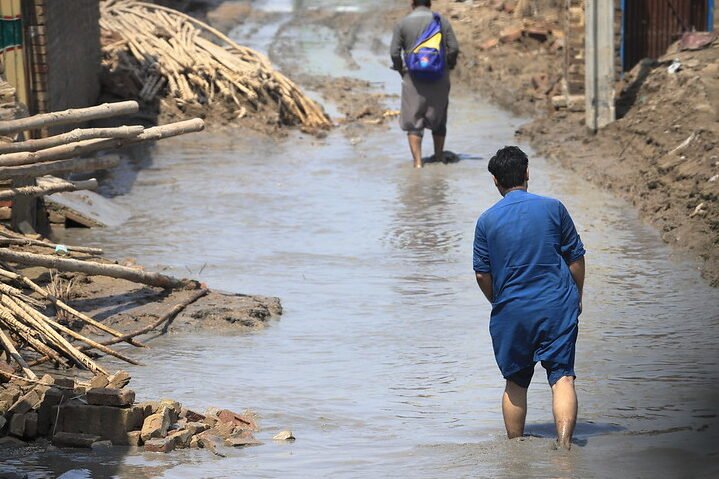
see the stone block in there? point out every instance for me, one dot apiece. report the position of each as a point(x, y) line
point(70, 439)
point(3, 421)
point(8, 397)
point(181, 437)
point(191, 416)
point(173, 407)
point(149, 407)
point(99, 381)
point(9, 441)
point(134, 439)
point(197, 427)
point(284, 436)
point(210, 420)
point(108, 422)
point(111, 397)
point(242, 439)
point(160, 444)
point(119, 380)
point(17, 425)
point(28, 401)
point(31, 426)
point(51, 398)
point(211, 442)
point(243, 421)
point(156, 425)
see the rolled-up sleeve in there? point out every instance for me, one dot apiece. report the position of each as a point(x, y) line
point(451, 43)
point(395, 48)
point(571, 246)
point(481, 249)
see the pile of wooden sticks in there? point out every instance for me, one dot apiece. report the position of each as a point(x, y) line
point(174, 55)
point(24, 326)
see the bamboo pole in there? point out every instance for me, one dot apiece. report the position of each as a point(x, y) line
point(10, 234)
point(94, 269)
point(6, 289)
point(62, 305)
point(59, 327)
point(12, 353)
point(28, 335)
point(59, 167)
point(79, 115)
point(58, 187)
point(86, 147)
point(177, 309)
point(43, 244)
point(61, 343)
point(78, 134)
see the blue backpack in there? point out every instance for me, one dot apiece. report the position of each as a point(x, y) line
point(426, 61)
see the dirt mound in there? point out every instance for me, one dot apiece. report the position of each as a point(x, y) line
point(662, 154)
point(515, 62)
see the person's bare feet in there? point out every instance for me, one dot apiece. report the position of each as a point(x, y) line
point(418, 164)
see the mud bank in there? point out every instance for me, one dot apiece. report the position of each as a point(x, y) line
point(661, 154)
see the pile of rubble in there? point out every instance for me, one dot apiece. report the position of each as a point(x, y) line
point(103, 412)
point(517, 54)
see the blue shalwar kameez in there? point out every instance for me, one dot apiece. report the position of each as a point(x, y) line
point(527, 242)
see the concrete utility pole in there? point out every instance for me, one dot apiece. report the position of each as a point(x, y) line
point(599, 63)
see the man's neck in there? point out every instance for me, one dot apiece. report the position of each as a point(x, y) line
point(516, 188)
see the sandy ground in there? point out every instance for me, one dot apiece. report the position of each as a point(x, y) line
point(661, 154)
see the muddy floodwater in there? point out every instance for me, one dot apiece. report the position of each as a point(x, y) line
point(382, 364)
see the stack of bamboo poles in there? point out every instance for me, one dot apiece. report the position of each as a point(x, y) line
point(58, 154)
point(173, 54)
point(24, 328)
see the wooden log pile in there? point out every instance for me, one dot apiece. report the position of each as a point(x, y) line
point(172, 55)
point(28, 336)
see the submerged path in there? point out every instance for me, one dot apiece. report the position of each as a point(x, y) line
point(382, 363)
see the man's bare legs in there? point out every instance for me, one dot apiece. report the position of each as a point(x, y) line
point(564, 407)
point(514, 409)
point(415, 146)
point(438, 147)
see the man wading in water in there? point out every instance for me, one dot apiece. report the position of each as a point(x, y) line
point(431, 50)
point(529, 263)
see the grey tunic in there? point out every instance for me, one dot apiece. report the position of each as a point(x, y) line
point(424, 104)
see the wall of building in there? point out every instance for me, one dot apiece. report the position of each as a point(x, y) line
point(64, 53)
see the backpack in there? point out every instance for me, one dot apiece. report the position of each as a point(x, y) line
point(426, 61)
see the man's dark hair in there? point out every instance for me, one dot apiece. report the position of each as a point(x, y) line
point(422, 3)
point(509, 166)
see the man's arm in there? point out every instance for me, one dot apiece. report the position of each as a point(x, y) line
point(452, 46)
point(395, 49)
point(577, 269)
point(484, 280)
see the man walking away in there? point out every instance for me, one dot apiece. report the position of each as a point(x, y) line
point(425, 75)
point(529, 263)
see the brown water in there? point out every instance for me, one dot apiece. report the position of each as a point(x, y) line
point(382, 364)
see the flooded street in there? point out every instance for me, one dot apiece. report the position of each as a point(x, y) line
point(382, 363)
